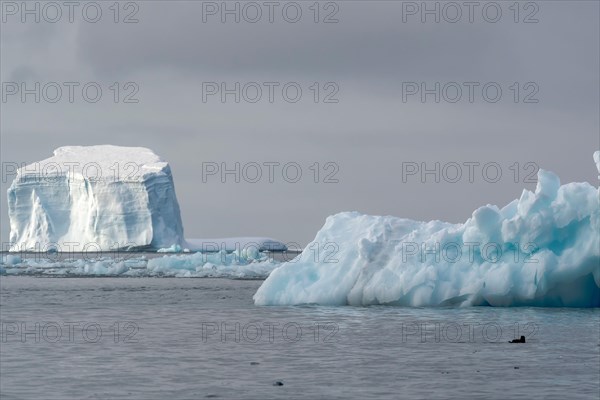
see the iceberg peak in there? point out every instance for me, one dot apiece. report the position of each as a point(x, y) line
point(597, 161)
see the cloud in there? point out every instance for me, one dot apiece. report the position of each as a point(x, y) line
point(369, 133)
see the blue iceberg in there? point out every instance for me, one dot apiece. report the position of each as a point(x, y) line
point(542, 249)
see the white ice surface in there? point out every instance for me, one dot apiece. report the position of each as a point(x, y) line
point(103, 197)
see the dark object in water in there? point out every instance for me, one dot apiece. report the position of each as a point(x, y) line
point(278, 383)
point(521, 340)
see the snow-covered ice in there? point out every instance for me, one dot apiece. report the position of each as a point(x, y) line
point(104, 196)
point(542, 249)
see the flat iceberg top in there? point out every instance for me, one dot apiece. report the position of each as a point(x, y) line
point(98, 162)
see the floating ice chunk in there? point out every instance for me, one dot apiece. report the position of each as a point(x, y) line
point(197, 265)
point(173, 249)
point(239, 264)
point(540, 250)
point(9, 259)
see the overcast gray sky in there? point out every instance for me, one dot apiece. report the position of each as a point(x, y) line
point(548, 113)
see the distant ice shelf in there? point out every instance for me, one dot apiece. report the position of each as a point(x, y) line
point(542, 249)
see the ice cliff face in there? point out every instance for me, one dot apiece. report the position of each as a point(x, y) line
point(94, 197)
point(542, 249)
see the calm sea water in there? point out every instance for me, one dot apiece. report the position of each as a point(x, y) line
point(169, 338)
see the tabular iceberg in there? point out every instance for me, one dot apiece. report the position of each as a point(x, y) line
point(542, 249)
point(94, 198)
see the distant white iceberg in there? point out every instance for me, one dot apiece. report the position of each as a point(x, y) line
point(540, 250)
point(235, 243)
point(103, 197)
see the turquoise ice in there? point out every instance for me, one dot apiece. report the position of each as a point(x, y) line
point(542, 249)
